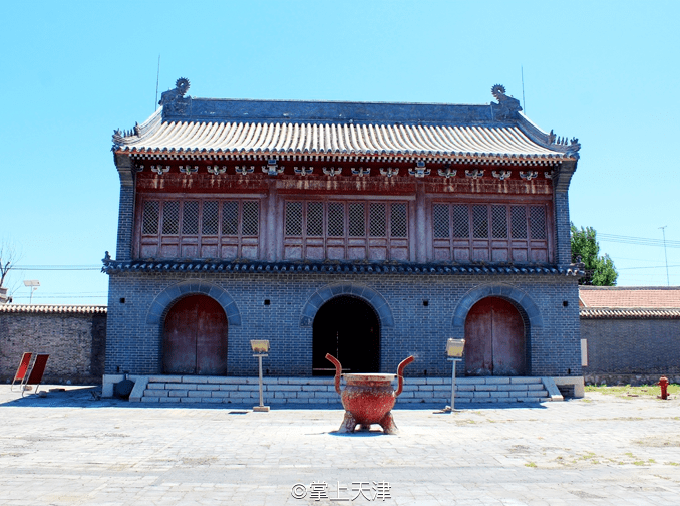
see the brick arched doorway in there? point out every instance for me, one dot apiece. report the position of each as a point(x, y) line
point(347, 328)
point(495, 339)
point(195, 337)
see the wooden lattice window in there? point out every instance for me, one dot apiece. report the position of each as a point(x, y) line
point(294, 219)
point(150, 221)
point(196, 228)
point(376, 220)
point(537, 221)
point(498, 232)
point(170, 218)
point(345, 230)
point(211, 218)
point(499, 222)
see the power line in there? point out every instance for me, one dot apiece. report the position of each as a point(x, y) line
point(61, 296)
point(663, 229)
point(57, 268)
point(640, 241)
point(647, 267)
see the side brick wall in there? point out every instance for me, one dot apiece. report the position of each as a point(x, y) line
point(632, 346)
point(125, 223)
point(75, 342)
point(563, 226)
point(135, 345)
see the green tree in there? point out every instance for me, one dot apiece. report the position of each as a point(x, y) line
point(600, 270)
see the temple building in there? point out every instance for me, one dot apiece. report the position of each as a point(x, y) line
point(369, 230)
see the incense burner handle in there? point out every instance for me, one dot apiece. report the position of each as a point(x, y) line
point(338, 370)
point(400, 370)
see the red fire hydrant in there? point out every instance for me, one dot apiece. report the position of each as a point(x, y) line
point(663, 383)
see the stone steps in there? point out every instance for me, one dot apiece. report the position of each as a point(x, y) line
point(244, 391)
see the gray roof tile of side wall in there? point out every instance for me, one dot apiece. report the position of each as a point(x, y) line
point(626, 313)
point(52, 308)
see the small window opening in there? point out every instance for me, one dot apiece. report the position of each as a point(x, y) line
point(267, 302)
point(122, 300)
point(426, 302)
point(565, 303)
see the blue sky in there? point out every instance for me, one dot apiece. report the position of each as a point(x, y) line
point(604, 72)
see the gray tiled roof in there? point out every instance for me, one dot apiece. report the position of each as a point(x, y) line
point(112, 266)
point(224, 128)
point(51, 308)
point(610, 312)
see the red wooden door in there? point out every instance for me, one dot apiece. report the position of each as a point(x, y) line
point(494, 339)
point(195, 337)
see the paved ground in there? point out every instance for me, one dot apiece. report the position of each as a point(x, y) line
point(69, 449)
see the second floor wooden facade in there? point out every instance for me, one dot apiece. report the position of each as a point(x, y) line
point(334, 218)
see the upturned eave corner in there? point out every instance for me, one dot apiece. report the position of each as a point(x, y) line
point(563, 175)
point(124, 166)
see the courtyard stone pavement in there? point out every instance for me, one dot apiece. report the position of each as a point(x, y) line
point(70, 449)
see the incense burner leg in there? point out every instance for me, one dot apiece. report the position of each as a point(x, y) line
point(348, 424)
point(388, 425)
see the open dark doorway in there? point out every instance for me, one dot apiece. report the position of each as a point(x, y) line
point(347, 328)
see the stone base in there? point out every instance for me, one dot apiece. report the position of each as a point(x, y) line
point(633, 379)
point(576, 381)
point(261, 409)
point(109, 380)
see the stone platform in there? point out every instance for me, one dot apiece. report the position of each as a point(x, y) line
point(319, 391)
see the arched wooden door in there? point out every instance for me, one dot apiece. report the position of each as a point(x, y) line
point(195, 337)
point(347, 328)
point(494, 339)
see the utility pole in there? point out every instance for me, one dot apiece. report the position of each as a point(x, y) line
point(663, 229)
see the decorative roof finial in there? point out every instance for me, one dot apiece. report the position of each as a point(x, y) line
point(174, 100)
point(507, 104)
point(498, 91)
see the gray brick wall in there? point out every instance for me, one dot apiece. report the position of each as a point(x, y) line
point(632, 346)
point(125, 223)
point(75, 342)
point(563, 226)
point(135, 345)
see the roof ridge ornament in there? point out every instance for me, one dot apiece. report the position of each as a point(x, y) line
point(507, 106)
point(174, 100)
point(572, 147)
